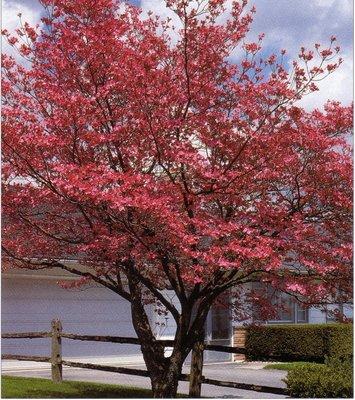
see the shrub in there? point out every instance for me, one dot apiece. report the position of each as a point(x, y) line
point(306, 342)
point(333, 380)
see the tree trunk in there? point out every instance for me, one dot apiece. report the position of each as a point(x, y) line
point(196, 369)
point(166, 384)
point(165, 389)
point(164, 372)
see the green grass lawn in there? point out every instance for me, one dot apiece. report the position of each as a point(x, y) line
point(288, 366)
point(32, 388)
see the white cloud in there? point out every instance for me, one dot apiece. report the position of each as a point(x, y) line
point(11, 21)
point(290, 25)
point(286, 24)
point(338, 86)
point(158, 7)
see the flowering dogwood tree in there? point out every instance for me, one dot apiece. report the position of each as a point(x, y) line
point(160, 157)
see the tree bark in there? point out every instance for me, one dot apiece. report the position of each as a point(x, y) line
point(196, 369)
point(166, 385)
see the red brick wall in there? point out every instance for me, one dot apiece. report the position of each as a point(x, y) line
point(239, 335)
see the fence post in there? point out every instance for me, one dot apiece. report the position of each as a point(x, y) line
point(56, 356)
point(196, 369)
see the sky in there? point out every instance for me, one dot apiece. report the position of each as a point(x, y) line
point(286, 23)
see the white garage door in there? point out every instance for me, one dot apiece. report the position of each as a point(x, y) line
point(30, 304)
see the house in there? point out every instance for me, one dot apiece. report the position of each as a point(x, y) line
point(31, 299)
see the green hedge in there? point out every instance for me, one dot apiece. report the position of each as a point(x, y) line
point(306, 342)
point(321, 381)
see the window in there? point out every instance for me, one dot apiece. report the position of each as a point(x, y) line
point(302, 313)
point(220, 320)
point(284, 307)
point(288, 309)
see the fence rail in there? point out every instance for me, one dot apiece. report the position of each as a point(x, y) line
point(108, 368)
point(26, 335)
point(25, 358)
point(225, 349)
point(115, 339)
point(94, 338)
point(195, 377)
point(245, 386)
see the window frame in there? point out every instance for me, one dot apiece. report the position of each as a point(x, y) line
point(294, 319)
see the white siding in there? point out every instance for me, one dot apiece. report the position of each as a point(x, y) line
point(348, 310)
point(316, 316)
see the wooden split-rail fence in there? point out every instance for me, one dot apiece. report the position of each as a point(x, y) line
point(195, 378)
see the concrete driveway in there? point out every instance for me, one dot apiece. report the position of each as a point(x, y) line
point(246, 373)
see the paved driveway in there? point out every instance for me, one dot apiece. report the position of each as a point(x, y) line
point(246, 373)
